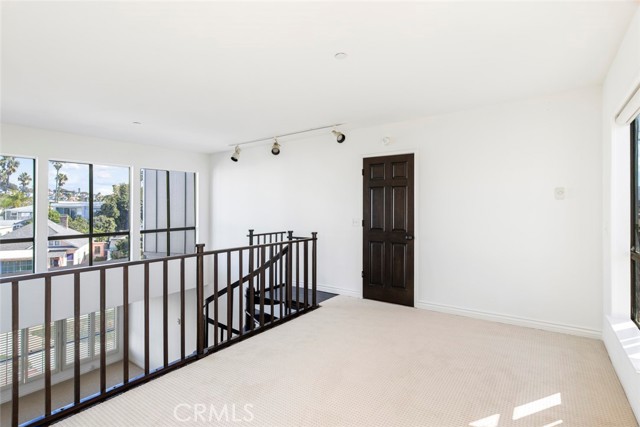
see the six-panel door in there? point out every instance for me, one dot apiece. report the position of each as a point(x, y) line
point(388, 229)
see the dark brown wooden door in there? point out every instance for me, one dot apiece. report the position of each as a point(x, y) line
point(388, 229)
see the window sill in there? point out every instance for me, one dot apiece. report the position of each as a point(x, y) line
point(628, 335)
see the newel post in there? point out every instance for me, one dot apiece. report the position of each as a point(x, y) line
point(289, 280)
point(314, 269)
point(251, 237)
point(200, 324)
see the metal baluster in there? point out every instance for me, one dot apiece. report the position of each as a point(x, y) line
point(15, 349)
point(271, 280)
point(262, 285)
point(297, 275)
point(314, 269)
point(103, 331)
point(240, 294)
point(229, 299)
point(215, 300)
point(47, 346)
point(200, 323)
point(165, 313)
point(182, 309)
point(289, 271)
point(76, 338)
point(125, 327)
point(146, 319)
point(306, 274)
point(251, 304)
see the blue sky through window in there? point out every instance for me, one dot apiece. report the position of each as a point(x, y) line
point(104, 177)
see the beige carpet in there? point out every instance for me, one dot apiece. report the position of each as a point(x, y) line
point(32, 405)
point(363, 363)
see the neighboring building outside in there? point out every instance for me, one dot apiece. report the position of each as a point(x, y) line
point(18, 257)
point(75, 209)
point(18, 214)
point(7, 226)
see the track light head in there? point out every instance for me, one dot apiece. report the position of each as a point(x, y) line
point(339, 136)
point(275, 148)
point(236, 154)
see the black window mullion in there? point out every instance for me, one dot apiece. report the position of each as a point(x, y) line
point(33, 218)
point(164, 230)
point(186, 220)
point(90, 214)
point(156, 203)
point(635, 249)
point(168, 213)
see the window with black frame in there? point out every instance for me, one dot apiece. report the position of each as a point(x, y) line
point(168, 213)
point(635, 221)
point(17, 225)
point(88, 219)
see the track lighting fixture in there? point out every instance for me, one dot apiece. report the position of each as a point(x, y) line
point(236, 154)
point(275, 148)
point(339, 136)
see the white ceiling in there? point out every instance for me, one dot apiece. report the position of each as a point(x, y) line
point(203, 75)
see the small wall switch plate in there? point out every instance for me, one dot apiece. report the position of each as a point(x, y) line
point(559, 193)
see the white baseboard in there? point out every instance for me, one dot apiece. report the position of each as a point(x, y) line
point(511, 320)
point(339, 291)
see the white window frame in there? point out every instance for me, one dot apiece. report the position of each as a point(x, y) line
point(60, 343)
point(94, 337)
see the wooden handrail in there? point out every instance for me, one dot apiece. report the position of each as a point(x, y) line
point(275, 263)
point(249, 276)
point(110, 266)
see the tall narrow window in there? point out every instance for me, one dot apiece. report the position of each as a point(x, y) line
point(90, 336)
point(168, 213)
point(88, 214)
point(32, 345)
point(31, 354)
point(6, 361)
point(17, 186)
point(635, 221)
point(35, 350)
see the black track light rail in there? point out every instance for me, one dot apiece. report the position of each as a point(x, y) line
point(286, 134)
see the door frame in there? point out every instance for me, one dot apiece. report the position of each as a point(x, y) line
point(417, 293)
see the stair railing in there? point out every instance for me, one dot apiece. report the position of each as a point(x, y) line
point(265, 272)
point(266, 267)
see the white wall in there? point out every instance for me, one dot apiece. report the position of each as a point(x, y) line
point(622, 79)
point(156, 343)
point(491, 240)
